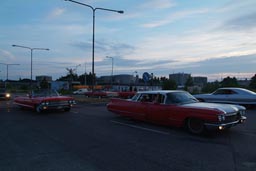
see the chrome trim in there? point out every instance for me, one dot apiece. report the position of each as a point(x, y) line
point(229, 124)
point(231, 114)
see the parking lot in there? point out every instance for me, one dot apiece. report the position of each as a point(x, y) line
point(91, 138)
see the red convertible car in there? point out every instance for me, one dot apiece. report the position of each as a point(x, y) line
point(180, 109)
point(41, 100)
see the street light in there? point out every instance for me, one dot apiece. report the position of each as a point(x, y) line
point(7, 69)
point(31, 54)
point(85, 73)
point(93, 30)
point(112, 69)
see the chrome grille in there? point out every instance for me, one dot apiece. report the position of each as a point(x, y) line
point(232, 117)
point(58, 103)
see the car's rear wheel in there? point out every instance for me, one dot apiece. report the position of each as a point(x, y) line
point(195, 126)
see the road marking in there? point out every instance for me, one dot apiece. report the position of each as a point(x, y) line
point(142, 128)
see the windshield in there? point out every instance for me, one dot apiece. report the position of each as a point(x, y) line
point(44, 93)
point(180, 98)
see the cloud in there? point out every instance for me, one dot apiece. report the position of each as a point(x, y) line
point(7, 56)
point(225, 64)
point(174, 17)
point(56, 13)
point(158, 4)
point(106, 47)
point(243, 22)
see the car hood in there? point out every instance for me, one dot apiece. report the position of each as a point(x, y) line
point(226, 108)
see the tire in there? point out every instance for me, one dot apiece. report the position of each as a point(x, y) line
point(67, 109)
point(38, 109)
point(195, 126)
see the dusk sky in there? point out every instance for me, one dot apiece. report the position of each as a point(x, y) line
point(213, 38)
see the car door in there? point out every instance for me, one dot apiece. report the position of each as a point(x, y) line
point(139, 108)
point(25, 101)
point(166, 114)
point(158, 111)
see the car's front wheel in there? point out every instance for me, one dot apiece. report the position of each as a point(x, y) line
point(67, 109)
point(38, 109)
point(195, 126)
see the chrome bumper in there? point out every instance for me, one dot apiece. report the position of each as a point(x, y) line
point(221, 126)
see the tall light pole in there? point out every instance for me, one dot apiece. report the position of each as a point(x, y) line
point(112, 69)
point(7, 69)
point(93, 30)
point(85, 73)
point(31, 61)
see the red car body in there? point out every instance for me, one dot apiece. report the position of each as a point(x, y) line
point(185, 110)
point(45, 101)
point(100, 94)
point(126, 94)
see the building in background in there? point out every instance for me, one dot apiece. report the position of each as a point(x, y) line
point(43, 77)
point(179, 78)
point(199, 81)
point(122, 79)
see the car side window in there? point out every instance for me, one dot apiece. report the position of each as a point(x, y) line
point(224, 92)
point(143, 98)
point(158, 98)
point(171, 99)
point(232, 92)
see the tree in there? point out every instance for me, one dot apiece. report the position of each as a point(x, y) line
point(44, 84)
point(253, 82)
point(210, 87)
point(189, 83)
point(71, 76)
point(169, 85)
point(229, 82)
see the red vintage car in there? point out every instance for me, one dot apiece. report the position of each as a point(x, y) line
point(41, 100)
point(100, 94)
point(180, 109)
point(126, 94)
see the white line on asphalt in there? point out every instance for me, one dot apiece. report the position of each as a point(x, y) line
point(139, 127)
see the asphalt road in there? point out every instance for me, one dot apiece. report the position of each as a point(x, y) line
point(89, 138)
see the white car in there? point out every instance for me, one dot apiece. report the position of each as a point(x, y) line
point(229, 95)
point(80, 91)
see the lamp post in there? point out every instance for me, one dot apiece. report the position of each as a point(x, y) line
point(93, 30)
point(7, 71)
point(31, 61)
point(112, 69)
point(85, 73)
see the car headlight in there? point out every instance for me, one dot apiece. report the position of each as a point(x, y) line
point(242, 112)
point(45, 103)
point(221, 118)
point(8, 95)
point(71, 102)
